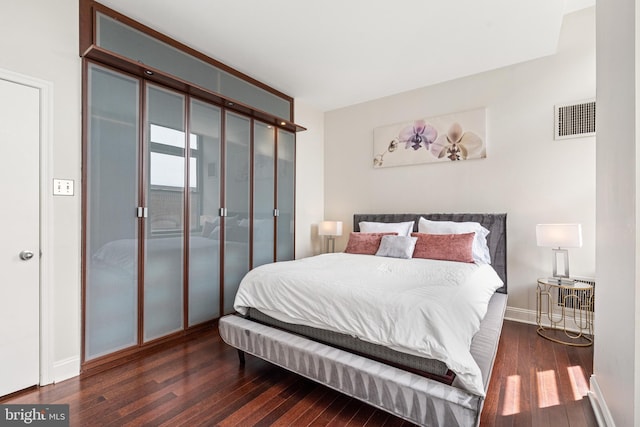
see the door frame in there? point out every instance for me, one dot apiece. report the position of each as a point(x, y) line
point(46, 321)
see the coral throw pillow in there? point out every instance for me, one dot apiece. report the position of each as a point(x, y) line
point(447, 247)
point(365, 243)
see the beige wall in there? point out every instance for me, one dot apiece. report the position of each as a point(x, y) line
point(309, 179)
point(526, 174)
point(39, 38)
point(616, 380)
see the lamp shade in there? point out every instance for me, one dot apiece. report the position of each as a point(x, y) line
point(559, 235)
point(330, 228)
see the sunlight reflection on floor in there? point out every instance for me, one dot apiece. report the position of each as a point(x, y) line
point(547, 389)
point(511, 404)
point(579, 383)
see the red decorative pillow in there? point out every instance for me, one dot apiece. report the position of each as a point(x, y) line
point(447, 247)
point(365, 243)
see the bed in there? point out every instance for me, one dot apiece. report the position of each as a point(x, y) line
point(421, 384)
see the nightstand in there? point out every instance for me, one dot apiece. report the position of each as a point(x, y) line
point(564, 312)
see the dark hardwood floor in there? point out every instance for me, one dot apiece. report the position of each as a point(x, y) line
point(535, 382)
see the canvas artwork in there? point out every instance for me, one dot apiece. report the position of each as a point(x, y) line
point(450, 137)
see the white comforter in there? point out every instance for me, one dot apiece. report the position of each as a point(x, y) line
point(418, 306)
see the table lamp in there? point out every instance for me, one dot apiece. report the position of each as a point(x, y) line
point(331, 229)
point(559, 237)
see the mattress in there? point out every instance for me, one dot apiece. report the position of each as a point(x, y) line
point(427, 308)
point(431, 368)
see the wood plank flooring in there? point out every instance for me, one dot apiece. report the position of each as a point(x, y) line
point(535, 382)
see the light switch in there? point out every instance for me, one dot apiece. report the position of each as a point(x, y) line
point(63, 187)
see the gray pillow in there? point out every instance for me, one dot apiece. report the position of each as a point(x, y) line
point(397, 246)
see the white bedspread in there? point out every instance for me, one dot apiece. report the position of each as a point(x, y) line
point(419, 306)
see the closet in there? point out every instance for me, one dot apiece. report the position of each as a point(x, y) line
point(184, 192)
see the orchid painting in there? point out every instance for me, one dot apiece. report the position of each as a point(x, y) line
point(453, 137)
point(458, 145)
point(417, 135)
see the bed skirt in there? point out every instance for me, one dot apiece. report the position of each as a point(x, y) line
point(412, 397)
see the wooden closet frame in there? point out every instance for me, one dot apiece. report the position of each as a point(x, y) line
point(93, 54)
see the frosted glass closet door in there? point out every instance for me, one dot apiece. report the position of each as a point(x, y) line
point(237, 190)
point(204, 222)
point(263, 193)
point(111, 286)
point(164, 240)
point(286, 195)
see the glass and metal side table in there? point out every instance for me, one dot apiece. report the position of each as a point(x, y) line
point(564, 312)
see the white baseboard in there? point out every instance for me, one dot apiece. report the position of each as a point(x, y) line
point(520, 315)
point(600, 408)
point(65, 369)
point(528, 316)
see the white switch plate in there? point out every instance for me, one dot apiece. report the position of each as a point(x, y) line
point(63, 187)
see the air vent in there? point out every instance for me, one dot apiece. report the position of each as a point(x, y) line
point(575, 120)
point(581, 299)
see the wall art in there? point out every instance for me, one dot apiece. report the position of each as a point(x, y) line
point(450, 137)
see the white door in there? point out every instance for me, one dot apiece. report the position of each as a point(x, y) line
point(19, 241)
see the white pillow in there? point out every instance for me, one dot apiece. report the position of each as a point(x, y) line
point(479, 249)
point(402, 228)
point(397, 246)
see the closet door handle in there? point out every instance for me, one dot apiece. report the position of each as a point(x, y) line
point(142, 212)
point(26, 255)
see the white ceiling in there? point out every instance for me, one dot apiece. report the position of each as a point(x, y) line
point(335, 53)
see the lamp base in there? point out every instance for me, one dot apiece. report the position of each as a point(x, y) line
point(330, 240)
point(560, 259)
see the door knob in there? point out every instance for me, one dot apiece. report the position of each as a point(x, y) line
point(26, 255)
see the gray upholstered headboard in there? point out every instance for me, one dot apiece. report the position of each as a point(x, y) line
point(495, 223)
